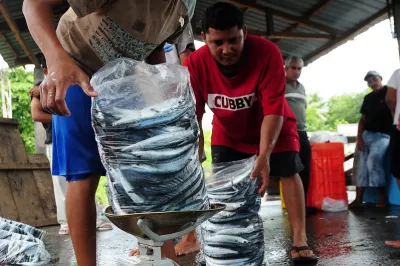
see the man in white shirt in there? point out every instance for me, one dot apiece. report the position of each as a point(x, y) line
point(393, 96)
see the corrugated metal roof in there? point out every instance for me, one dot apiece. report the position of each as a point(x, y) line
point(346, 17)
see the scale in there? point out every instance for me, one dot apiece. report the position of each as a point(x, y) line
point(143, 226)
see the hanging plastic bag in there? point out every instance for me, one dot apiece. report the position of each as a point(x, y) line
point(332, 205)
point(21, 244)
point(234, 236)
point(147, 133)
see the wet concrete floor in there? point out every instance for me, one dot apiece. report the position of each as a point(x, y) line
point(345, 238)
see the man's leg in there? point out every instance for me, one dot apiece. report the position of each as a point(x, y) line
point(81, 215)
point(395, 169)
point(288, 165)
point(358, 202)
point(294, 200)
point(305, 157)
point(382, 197)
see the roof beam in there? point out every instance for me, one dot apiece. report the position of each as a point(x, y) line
point(299, 36)
point(282, 35)
point(289, 17)
point(317, 8)
point(8, 44)
point(14, 28)
point(360, 27)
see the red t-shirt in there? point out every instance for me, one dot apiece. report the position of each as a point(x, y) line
point(240, 103)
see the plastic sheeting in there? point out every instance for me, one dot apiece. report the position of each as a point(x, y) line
point(234, 236)
point(21, 244)
point(147, 133)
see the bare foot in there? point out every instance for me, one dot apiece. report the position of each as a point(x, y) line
point(395, 244)
point(356, 204)
point(136, 252)
point(301, 254)
point(185, 247)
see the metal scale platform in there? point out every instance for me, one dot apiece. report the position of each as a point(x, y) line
point(144, 226)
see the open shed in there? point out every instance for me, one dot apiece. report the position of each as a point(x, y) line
point(309, 28)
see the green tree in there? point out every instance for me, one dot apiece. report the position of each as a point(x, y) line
point(316, 113)
point(344, 109)
point(21, 81)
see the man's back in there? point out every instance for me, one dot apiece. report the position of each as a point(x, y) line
point(95, 32)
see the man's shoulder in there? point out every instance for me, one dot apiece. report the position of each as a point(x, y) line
point(197, 58)
point(259, 44)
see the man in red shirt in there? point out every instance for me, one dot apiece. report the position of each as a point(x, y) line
point(242, 79)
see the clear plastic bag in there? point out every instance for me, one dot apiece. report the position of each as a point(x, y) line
point(332, 205)
point(21, 244)
point(147, 133)
point(234, 236)
point(326, 136)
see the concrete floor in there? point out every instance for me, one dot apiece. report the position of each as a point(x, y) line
point(346, 238)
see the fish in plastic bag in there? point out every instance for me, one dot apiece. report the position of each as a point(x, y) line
point(234, 236)
point(147, 133)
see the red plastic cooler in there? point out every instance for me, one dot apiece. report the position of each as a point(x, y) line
point(327, 174)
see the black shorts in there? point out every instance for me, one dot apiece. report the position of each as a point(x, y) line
point(282, 164)
point(395, 153)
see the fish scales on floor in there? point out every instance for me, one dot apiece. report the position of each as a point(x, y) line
point(234, 236)
point(146, 128)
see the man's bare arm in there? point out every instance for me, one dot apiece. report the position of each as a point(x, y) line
point(63, 72)
point(391, 99)
point(40, 19)
point(38, 115)
point(201, 143)
point(157, 56)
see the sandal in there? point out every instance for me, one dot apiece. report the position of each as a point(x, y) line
point(303, 259)
point(64, 230)
point(103, 226)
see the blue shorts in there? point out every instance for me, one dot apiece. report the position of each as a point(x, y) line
point(374, 166)
point(75, 153)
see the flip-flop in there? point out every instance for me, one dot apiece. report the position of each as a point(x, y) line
point(303, 259)
point(103, 226)
point(64, 230)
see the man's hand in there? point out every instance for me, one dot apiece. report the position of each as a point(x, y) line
point(261, 169)
point(360, 144)
point(35, 92)
point(62, 73)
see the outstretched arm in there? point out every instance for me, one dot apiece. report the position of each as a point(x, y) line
point(63, 72)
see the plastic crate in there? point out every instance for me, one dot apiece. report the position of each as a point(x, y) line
point(327, 174)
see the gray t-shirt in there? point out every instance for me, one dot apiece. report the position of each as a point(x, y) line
point(296, 97)
point(185, 41)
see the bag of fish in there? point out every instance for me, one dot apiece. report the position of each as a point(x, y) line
point(147, 133)
point(234, 236)
point(21, 244)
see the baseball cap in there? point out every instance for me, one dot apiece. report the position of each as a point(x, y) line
point(371, 74)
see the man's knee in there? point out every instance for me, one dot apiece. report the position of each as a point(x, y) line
point(85, 183)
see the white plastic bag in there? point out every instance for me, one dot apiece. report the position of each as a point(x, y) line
point(332, 205)
point(326, 136)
